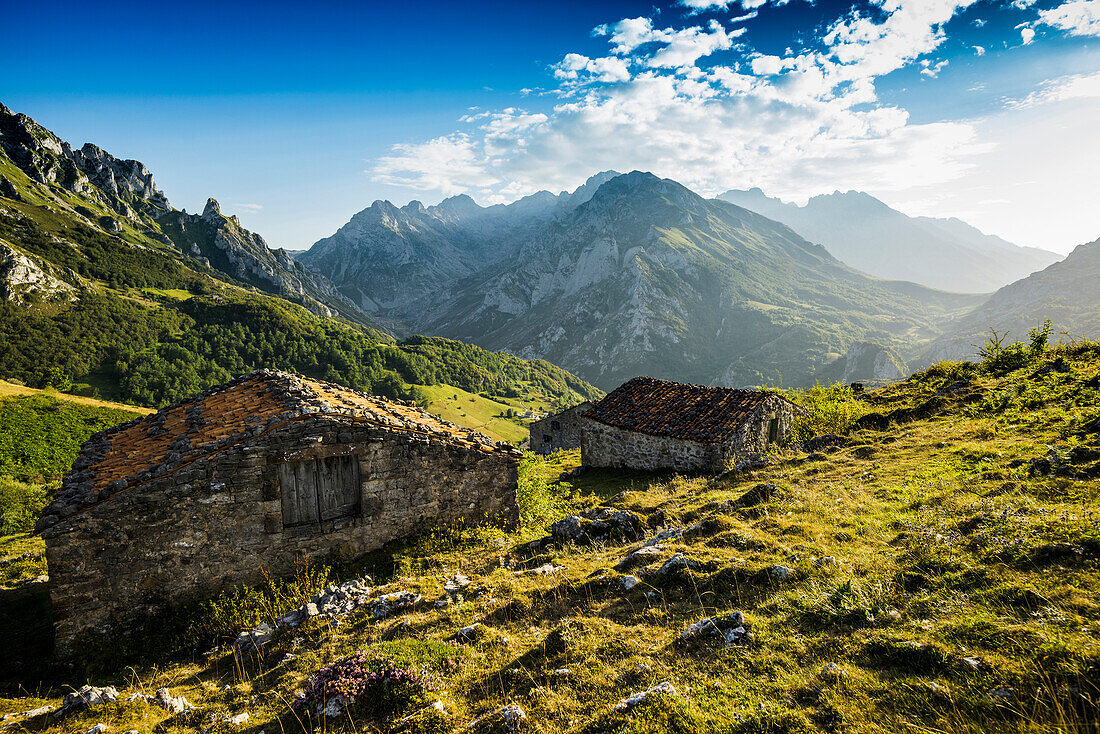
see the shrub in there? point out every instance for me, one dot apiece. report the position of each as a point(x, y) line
point(244, 607)
point(829, 409)
point(539, 504)
point(21, 503)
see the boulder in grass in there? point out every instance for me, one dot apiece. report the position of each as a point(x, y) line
point(84, 698)
point(636, 699)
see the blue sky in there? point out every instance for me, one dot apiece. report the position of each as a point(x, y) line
point(295, 117)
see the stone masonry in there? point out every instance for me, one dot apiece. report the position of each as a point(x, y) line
point(652, 424)
point(209, 518)
point(559, 432)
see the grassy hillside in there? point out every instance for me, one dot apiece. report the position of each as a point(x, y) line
point(936, 569)
point(135, 337)
point(487, 415)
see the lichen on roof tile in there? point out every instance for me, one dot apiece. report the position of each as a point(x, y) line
point(675, 410)
point(134, 452)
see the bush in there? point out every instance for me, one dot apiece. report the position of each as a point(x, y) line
point(21, 503)
point(829, 409)
point(538, 504)
point(244, 607)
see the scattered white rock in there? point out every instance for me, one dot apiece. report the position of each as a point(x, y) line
point(629, 582)
point(781, 573)
point(970, 663)
point(86, 697)
point(827, 561)
point(832, 671)
point(1001, 694)
point(672, 565)
point(661, 689)
point(513, 716)
point(640, 557)
point(97, 729)
point(389, 604)
point(238, 719)
point(546, 569)
point(470, 632)
point(333, 708)
point(253, 640)
point(171, 704)
point(455, 584)
point(731, 627)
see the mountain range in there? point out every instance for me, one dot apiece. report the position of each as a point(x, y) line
point(630, 274)
point(1065, 292)
point(865, 233)
point(107, 290)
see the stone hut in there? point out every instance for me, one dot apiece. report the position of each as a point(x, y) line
point(250, 476)
point(653, 424)
point(559, 431)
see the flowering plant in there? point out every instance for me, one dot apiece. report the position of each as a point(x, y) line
point(374, 684)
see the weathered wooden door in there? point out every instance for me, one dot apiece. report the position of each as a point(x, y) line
point(337, 487)
point(319, 490)
point(298, 485)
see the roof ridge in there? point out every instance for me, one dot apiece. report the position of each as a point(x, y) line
point(153, 446)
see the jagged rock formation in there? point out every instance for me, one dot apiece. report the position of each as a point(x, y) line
point(25, 278)
point(870, 236)
point(629, 275)
point(120, 198)
point(1065, 292)
point(865, 361)
point(394, 260)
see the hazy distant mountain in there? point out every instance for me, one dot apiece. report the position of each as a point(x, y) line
point(867, 234)
point(389, 260)
point(1065, 292)
point(631, 275)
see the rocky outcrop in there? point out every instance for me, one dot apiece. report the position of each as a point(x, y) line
point(47, 159)
point(117, 192)
point(865, 361)
point(25, 278)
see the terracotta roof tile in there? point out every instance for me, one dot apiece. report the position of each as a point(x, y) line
point(157, 444)
point(674, 410)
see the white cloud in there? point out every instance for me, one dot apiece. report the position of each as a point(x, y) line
point(247, 208)
point(1027, 35)
point(699, 6)
point(1079, 17)
point(796, 125)
point(671, 48)
point(930, 69)
point(1063, 89)
point(979, 50)
point(766, 65)
point(605, 69)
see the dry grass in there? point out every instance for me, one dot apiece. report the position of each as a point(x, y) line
point(943, 552)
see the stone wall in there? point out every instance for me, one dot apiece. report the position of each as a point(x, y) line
point(606, 446)
point(216, 522)
point(563, 430)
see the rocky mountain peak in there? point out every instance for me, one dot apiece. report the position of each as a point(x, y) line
point(212, 210)
point(457, 206)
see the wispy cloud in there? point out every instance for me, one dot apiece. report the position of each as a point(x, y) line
point(684, 103)
point(248, 208)
point(1078, 17)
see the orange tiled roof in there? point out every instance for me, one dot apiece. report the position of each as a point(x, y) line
point(674, 410)
point(135, 452)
